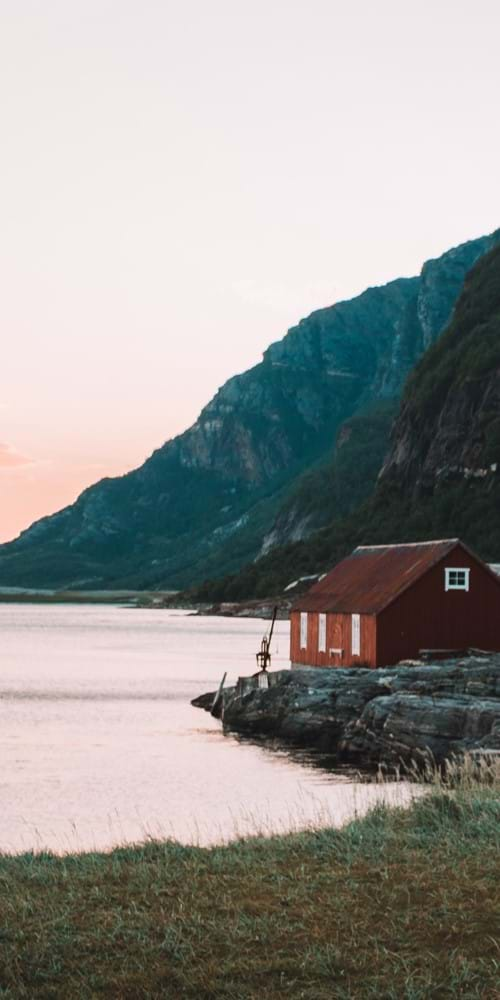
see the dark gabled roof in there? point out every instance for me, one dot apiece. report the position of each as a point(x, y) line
point(373, 576)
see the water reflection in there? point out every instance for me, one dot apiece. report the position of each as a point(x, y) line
point(100, 745)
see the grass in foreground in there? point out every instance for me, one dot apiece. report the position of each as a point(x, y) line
point(400, 905)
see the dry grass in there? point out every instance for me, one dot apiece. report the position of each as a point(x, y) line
point(400, 905)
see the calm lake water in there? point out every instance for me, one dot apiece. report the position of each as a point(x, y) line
point(99, 744)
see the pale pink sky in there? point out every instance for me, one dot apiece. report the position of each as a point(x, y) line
point(183, 180)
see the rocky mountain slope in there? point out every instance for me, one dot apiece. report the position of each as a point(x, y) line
point(448, 429)
point(444, 463)
point(441, 476)
point(231, 486)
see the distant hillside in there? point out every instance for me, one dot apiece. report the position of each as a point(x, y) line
point(442, 474)
point(319, 405)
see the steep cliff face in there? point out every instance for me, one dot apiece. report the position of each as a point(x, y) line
point(443, 468)
point(441, 476)
point(448, 429)
point(349, 474)
point(204, 502)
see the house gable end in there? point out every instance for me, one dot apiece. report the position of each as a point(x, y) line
point(427, 615)
point(445, 560)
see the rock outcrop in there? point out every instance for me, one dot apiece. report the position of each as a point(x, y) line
point(404, 714)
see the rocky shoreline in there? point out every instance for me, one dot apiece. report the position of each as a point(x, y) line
point(408, 714)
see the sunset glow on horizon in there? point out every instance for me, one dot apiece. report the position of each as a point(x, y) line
point(184, 181)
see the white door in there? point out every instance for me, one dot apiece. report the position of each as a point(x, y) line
point(303, 629)
point(322, 634)
point(356, 635)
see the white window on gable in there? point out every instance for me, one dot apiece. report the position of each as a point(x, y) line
point(303, 629)
point(355, 635)
point(322, 634)
point(456, 578)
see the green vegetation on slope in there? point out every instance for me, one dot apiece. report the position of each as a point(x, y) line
point(470, 347)
point(201, 505)
point(464, 510)
point(449, 422)
point(338, 486)
point(401, 905)
point(286, 563)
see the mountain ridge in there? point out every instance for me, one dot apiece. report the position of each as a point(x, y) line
point(441, 476)
point(206, 501)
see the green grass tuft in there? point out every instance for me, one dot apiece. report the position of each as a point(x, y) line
point(399, 905)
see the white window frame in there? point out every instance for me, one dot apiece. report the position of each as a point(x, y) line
point(303, 629)
point(455, 585)
point(356, 635)
point(321, 633)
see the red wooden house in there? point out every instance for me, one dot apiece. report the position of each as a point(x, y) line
point(386, 603)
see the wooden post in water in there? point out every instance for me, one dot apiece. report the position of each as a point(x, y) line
point(218, 696)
